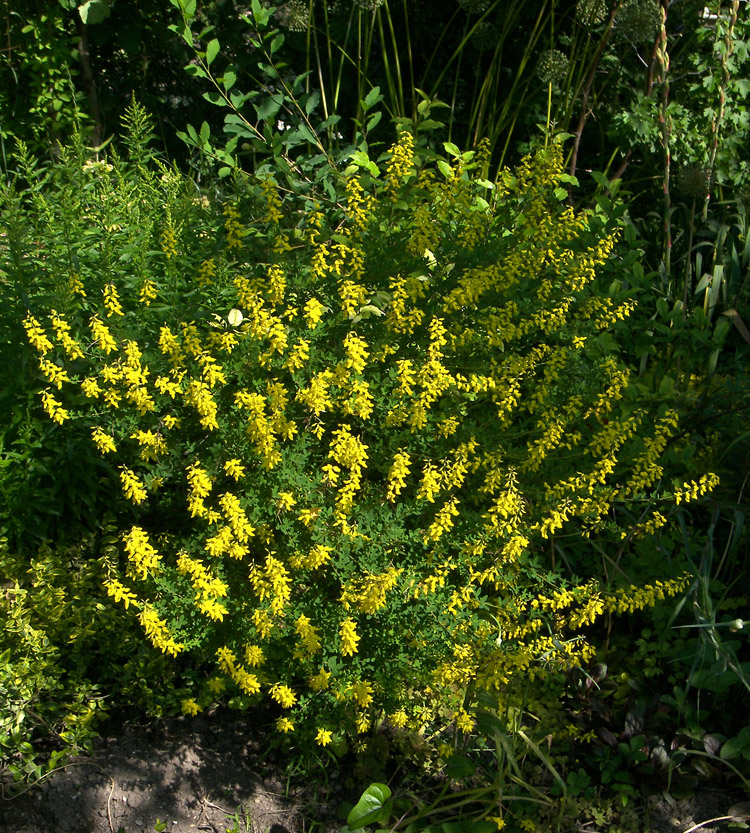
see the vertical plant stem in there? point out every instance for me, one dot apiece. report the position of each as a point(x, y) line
point(585, 110)
point(665, 124)
point(719, 116)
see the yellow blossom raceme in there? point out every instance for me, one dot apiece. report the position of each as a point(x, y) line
point(313, 311)
point(321, 680)
point(62, 331)
point(324, 737)
point(149, 292)
point(53, 408)
point(283, 695)
point(143, 558)
point(309, 640)
point(157, 631)
point(112, 301)
point(349, 637)
point(120, 592)
point(216, 685)
point(102, 335)
point(53, 373)
point(169, 241)
point(234, 468)
point(401, 162)
point(132, 485)
point(254, 656)
point(36, 335)
point(284, 725)
point(368, 593)
point(190, 707)
point(102, 440)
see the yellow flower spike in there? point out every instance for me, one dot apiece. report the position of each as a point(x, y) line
point(103, 441)
point(283, 695)
point(285, 725)
point(324, 737)
point(102, 335)
point(190, 707)
point(36, 335)
point(349, 637)
point(112, 301)
point(132, 487)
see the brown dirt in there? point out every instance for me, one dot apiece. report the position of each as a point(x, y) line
point(208, 774)
point(192, 774)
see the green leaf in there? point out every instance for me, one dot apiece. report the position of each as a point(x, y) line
point(215, 97)
point(94, 11)
point(270, 106)
point(212, 50)
point(372, 98)
point(452, 150)
point(374, 806)
point(600, 179)
point(560, 193)
point(373, 120)
point(229, 79)
point(459, 767)
point(277, 43)
point(445, 168)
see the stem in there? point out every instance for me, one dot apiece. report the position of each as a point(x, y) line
point(665, 122)
point(585, 110)
point(719, 117)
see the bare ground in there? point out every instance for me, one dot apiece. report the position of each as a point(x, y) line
point(209, 774)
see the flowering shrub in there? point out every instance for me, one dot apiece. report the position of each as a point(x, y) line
point(349, 430)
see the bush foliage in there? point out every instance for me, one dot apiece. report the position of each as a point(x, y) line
point(363, 447)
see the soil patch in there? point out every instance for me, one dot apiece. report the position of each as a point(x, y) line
point(190, 774)
point(210, 773)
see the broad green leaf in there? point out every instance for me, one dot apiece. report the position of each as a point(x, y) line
point(373, 120)
point(215, 97)
point(94, 11)
point(445, 169)
point(372, 98)
point(229, 79)
point(459, 767)
point(212, 50)
point(270, 106)
point(600, 179)
point(277, 43)
point(452, 150)
point(373, 807)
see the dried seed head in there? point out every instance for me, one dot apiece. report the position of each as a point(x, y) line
point(474, 6)
point(591, 12)
point(638, 20)
point(553, 66)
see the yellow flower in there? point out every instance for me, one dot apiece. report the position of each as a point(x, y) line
point(132, 486)
point(190, 707)
point(234, 468)
point(103, 441)
point(349, 638)
point(324, 737)
point(320, 681)
point(216, 685)
point(284, 724)
point(148, 292)
point(283, 695)
point(286, 500)
point(112, 301)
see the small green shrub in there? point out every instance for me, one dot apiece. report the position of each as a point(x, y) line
point(66, 656)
